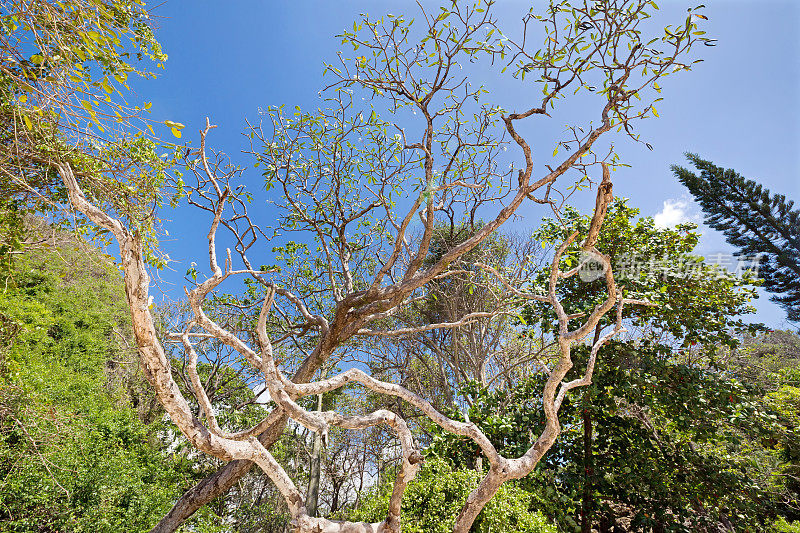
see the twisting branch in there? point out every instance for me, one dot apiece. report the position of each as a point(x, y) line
point(242, 444)
point(368, 207)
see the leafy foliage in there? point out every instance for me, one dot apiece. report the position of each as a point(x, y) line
point(79, 430)
point(755, 221)
point(670, 436)
point(123, 176)
point(434, 498)
point(663, 438)
point(696, 304)
point(64, 97)
point(769, 362)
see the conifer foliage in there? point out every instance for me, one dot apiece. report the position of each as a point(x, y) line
point(754, 220)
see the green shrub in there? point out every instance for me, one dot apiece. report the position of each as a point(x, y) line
point(74, 454)
point(782, 526)
point(433, 500)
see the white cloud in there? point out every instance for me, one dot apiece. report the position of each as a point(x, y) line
point(676, 211)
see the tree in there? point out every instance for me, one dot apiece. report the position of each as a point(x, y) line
point(697, 311)
point(398, 90)
point(352, 190)
point(768, 363)
point(760, 224)
point(699, 306)
point(437, 363)
point(666, 447)
point(64, 96)
point(619, 422)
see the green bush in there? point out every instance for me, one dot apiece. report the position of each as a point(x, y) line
point(75, 454)
point(433, 500)
point(782, 526)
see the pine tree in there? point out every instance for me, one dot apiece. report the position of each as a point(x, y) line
point(755, 221)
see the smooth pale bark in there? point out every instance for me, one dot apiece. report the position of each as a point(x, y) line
point(352, 313)
point(214, 485)
point(312, 495)
point(159, 374)
point(244, 445)
point(403, 268)
point(378, 300)
point(225, 478)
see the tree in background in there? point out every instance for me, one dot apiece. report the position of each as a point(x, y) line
point(438, 363)
point(753, 220)
point(642, 444)
point(697, 313)
point(672, 448)
point(697, 303)
point(770, 364)
point(351, 185)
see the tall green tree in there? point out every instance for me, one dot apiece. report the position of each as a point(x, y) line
point(646, 445)
point(696, 303)
point(697, 313)
point(756, 221)
point(671, 449)
point(770, 364)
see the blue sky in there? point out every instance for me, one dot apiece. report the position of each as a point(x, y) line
point(739, 108)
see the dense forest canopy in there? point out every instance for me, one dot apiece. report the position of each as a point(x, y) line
point(388, 353)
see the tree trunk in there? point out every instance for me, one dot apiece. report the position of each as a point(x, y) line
point(336, 489)
point(588, 460)
point(213, 486)
point(312, 495)
point(226, 477)
point(588, 468)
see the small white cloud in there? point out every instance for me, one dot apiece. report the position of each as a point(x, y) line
point(676, 211)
